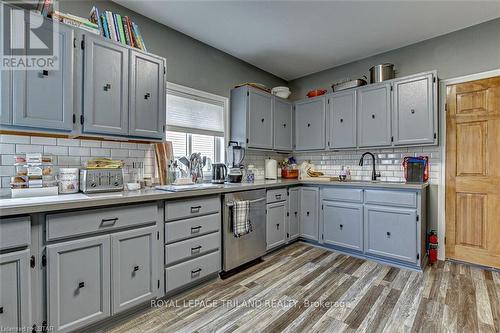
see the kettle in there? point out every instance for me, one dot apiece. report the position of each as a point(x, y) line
point(219, 173)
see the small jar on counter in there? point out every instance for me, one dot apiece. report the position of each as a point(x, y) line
point(68, 180)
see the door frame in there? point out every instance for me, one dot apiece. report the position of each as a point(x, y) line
point(442, 130)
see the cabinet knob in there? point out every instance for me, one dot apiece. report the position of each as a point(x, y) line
point(341, 226)
point(277, 226)
point(308, 125)
point(388, 234)
point(195, 249)
point(147, 95)
point(412, 111)
point(195, 230)
point(107, 87)
point(262, 120)
point(195, 272)
point(81, 285)
point(1, 309)
point(136, 268)
point(341, 120)
point(295, 213)
point(43, 73)
point(373, 116)
point(284, 125)
point(195, 209)
point(307, 213)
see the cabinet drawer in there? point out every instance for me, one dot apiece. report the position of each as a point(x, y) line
point(14, 232)
point(72, 224)
point(179, 230)
point(192, 270)
point(192, 247)
point(392, 233)
point(276, 195)
point(179, 209)
point(391, 198)
point(342, 194)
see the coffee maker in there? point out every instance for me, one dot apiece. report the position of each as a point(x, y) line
point(235, 155)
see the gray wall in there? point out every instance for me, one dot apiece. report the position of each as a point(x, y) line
point(189, 62)
point(467, 51)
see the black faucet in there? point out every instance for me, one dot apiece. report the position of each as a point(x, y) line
point(375, 174)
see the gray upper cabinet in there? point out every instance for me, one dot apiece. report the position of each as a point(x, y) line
point(78, 283)
point(392, 232)
point(43, 98)
point(414, 118)
point(105, 87)
point(252, 117)
point(5, 96)
point(343, 224)
point(283, 129)
point(15, 298)
point(275, 224)
point(147, 95)
point(374, 115)
point(134, 258)
point(293, 212)
point(309, 220)
point(310, 124)
point(342, 113)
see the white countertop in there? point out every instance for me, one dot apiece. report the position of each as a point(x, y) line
point(16, 206)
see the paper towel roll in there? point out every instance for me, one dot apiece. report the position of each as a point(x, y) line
point(271, 169)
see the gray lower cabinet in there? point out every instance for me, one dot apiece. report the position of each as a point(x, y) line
point(309, 219)
point(293, 213)
point(310, 117)
point(105, 87)
point(342, 114)
point(147, 95)
point(15, 299)
point(43, 99)
point(374, 115)
point(275, 224)
point(343, 224)
point(282, 124)
point(78, 283)
point(413, 118)
point(392, 232)
point(134, 273)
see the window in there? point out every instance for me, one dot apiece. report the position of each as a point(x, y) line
point(196, 122)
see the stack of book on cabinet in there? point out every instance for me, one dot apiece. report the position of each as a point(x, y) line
point(118, 28)
point(76, 21)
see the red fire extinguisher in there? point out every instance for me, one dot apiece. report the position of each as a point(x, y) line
point(432, 241)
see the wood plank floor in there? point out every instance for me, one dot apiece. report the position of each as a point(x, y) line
point(306, 289)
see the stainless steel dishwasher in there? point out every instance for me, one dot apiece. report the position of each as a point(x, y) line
point(241, 250)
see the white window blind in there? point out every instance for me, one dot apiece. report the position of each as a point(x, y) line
point(194, 114)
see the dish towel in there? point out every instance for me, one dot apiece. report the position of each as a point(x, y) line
point(241, 223)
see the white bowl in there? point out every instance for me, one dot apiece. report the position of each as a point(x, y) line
point(133, 186)
point(275, 89)
point(282, 94)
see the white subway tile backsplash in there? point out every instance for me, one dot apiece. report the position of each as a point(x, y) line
point(55, 150)
point(8, 138)
point(68, 142)
point(7, 170)
point(22, 149)
point(110, 144)
point(7, 148)
point(136, 153)
point(7, 159)
point(90, 143)
point(41, 140)
point(69, 161)
point(100, 152)
point(117, 153)
point(79, 151)
point(128, 145)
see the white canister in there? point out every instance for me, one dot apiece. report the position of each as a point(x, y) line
point(68, 180)
point(271, 169)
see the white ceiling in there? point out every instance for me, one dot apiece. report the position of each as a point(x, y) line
point(294, 38)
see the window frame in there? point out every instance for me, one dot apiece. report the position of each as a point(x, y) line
point(203, 95)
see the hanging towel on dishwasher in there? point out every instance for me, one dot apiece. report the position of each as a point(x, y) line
point(241, 223)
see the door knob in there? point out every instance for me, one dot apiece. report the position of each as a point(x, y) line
point(412, 111)
point(307, 213)
point(373, 116)
point(147, 95)
point(277, 226)
point(388, 234)
point(284, 125)
point(341, 120)
point(308, 125)
point(107, 87)
point(341, 226)
point(262, 120)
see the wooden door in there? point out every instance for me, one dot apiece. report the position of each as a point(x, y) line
point(473, 172)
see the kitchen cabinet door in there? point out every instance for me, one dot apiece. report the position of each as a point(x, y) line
point(374, 115)
point(260, 119)
point(5, 93)
point(293, 213)
point(343, 120)
point(343, 224)
point(147, 96)
point(134, 257)
point(391, 232)
point(44, 98)
point(15, 298)
point(310, 124)
point(105, 87)
point(275, 224)
point(283, 111)
point(78, 283)
point(414, 120)
point(309, 202)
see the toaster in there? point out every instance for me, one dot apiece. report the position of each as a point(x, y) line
point(101, 180)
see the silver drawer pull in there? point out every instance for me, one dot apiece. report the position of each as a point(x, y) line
point(195, 230)
point(108, 222)
point(195, 273)
point(195, 209)
point(196, 249)
point(278, 196)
